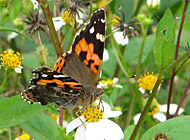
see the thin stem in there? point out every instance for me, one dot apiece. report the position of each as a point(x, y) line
point(10, 137)
point(146, 108)
point(176, 56)
point(54, 36)
point(42, 49)
point(151, 97)
point(182, 98)
point(5, 80)
point(61, 117)
point(141, 52)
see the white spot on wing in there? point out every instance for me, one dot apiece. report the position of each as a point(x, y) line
point(44, 75)
point(91, 30)
point(100, 37)
point(58, 76)
point(103, 21)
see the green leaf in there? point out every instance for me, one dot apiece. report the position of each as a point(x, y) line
point(42, 127)
point(14, 111)
point(175, 129)
point(3, 28)
point(164, 44)
point(129, 131)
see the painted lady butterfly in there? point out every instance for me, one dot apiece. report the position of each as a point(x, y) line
point(75, 76)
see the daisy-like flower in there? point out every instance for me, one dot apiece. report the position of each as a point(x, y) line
point(35, 3)
point(119, 35)
point(23, 136)
point(66, 18)
point(109, 83)
point(147, 82)
point(94, 125)
point(158, 111)
point(11, 60)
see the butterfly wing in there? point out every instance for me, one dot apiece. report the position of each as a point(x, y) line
point(84, 62)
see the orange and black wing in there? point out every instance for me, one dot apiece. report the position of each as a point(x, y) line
point(84, 62)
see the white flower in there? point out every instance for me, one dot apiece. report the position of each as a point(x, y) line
point(58, 22)
point(153, 3)
point(96, 127)
point(120, 38)
point(35, 3)
point(160, 114)
point(18, 69)
point(109, 83)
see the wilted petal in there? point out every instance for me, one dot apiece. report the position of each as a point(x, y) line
point(159, 116)
point(74, 124)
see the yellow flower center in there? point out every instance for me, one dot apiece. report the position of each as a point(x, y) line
point(93, 114)
point(24, 136)
point(67, 16)
point(11, 59)
point(154, 108)
point(109, 83)
point(148, 81)
point(115, 21)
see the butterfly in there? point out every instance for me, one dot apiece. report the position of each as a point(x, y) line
point(73, 80)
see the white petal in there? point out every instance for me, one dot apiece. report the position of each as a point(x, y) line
point(115, 80)
point(118, 86)
point(58, 22)
point(104, 130)
point(35, 3)
point(120, 39)
point(103, 104)
point(80, 133)
point(18, 69)
point(136, 118)
point(11, 36)
point(105, 55)
point(111, 114)
point(74, 124)
point(173, 108)
point(142, 90)
point(159, 116)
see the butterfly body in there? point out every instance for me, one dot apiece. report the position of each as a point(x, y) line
point(75, 76)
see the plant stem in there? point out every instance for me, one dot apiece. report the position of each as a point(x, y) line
point(54, 36)
point(176, 56)
point(151, 97)
point(5, 80)
point(141, 52)
point(182, 98)
point(42, 49)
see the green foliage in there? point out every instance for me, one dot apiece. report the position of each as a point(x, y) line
point(156, 42)
point(164, 43)
point(175, 129)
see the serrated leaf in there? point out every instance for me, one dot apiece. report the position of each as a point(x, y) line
point(14, 111)
point(174, 129)
point(164, 43)
point(42, 127)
